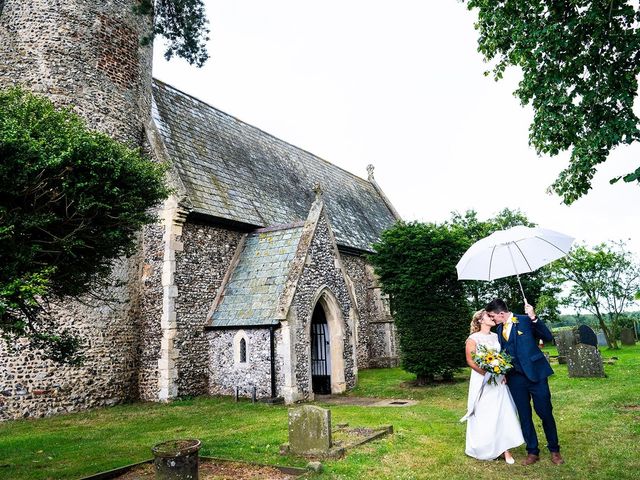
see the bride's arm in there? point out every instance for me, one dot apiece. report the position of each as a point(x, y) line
point(469, 348)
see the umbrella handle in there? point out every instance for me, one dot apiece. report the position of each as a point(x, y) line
point(521, 289)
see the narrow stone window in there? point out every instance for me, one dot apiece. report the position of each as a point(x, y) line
point(243, 351)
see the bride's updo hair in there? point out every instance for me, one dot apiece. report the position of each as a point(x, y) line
point(475, 321)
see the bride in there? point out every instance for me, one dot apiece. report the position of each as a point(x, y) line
point(492, 425)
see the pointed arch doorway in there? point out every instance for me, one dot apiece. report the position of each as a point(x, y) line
point(327, 346)
point(320, 352)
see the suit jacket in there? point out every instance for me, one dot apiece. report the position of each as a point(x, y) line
point(523, 346)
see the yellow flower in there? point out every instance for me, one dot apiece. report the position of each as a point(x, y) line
point(489, 358)
point(496, 369)
point(514, 320)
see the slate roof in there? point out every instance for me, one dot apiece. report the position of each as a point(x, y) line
point(252, 293)
point(234, 171)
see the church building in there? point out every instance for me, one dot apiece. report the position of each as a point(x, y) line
point(255, 279)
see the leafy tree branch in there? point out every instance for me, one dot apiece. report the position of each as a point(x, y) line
point(74, 203)
point(580, 61)
point(604, 281)
point(183, 24)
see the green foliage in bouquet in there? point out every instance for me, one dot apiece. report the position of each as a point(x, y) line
point(416, 266)
point(492, 362)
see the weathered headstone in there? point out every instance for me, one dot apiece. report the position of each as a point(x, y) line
point(602, 340)
point(585, 361)
point(627, 337)
point(565, 339)
point(309, 430)
point(587, 336)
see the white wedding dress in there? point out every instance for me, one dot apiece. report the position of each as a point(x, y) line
point(493, 427)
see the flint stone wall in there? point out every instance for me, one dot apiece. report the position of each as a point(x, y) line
point(200, 268)
point(151, 311)
point(83, 54)
point(33, 387)
point(376, 346)
point(356, 268)
point(226, 373)
point(320, 270)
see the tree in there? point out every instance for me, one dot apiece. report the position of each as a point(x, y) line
point(603, 280)
point(183, 23)
point(71, 202)
point(580, 61)
point(539, 290)
point(416, 266)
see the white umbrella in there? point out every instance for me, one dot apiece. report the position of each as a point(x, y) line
point(511, 252)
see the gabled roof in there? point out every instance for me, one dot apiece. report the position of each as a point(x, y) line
point(234, 171)
point(251, 294)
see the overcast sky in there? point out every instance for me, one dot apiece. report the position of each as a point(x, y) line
point(398, 84)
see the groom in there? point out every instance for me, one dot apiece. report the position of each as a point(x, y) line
point(528, 380)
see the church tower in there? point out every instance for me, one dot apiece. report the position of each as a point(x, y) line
point(86, 54)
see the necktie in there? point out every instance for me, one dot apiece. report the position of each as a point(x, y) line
point(506, 330)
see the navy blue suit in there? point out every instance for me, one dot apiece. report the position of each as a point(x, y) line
point(529, 379)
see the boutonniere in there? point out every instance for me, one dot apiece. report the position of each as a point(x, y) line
point(514, 320)
point(520, 333)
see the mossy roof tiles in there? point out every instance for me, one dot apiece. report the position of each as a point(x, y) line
point(252, 293)
point(234, 171)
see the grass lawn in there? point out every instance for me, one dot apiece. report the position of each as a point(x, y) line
point(598, 423)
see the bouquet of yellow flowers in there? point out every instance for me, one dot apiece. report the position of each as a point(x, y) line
point(493, 362)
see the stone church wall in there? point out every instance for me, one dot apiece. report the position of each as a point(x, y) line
point(383, 346)
point(83, 54)
point(86, 55)
point(376, 347)
point(200, 268)
point(227, 372)
point(150, 312)
point(33, 387)
point(320, 271)
point(356, 268)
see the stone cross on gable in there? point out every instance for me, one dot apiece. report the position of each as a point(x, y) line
point(370, 171)
point(317, 188)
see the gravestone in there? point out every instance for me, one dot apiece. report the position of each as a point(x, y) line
point(564, 339)
point(587, 336)
point(309, 430)
point(627, 336)
point(602, 340)
point(585, 361)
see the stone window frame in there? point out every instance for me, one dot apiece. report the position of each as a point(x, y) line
point(237, 357)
